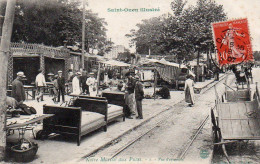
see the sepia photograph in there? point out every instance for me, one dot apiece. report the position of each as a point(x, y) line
point(130, 81)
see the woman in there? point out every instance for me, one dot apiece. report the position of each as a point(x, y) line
point(189, 91)
point(76, 90)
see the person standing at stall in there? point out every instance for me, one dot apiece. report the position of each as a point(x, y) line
point(189, 90)
point(18, 92)
point(91, 82)
point(114, 82)
point(40, 84)
point(139, 95)
point(61, 86)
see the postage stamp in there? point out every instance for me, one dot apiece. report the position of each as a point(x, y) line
point(232, 41)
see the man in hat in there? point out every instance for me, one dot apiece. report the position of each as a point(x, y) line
point(91, 82)
point(83, 80)
point(18, 92)
point(139, 95)
point(130, 97)
point(40, 84)
point(61, 86)
point(76, 90)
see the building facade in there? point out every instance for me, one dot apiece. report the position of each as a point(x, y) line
point(113, 54)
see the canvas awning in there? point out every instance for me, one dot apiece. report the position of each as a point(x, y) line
point(169, 71)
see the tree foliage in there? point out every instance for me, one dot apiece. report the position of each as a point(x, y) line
point(182, 33)
point(51, 22)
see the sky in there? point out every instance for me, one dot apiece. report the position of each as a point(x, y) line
point(120, 23)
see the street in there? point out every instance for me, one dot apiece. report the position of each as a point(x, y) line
point(170, 137)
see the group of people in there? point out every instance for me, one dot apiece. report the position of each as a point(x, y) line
point(131, 85)
point(81, 84)
point(134, 96)
point(58, 86)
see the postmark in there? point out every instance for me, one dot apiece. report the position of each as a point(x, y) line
point(232, 42)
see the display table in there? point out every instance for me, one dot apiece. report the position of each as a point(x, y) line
point(24, 123)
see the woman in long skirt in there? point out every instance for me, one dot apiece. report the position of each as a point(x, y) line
point(189, 90)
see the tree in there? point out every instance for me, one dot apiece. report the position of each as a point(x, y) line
point(180, 34)
point(51, 22)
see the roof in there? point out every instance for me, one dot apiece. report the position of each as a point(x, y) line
point(115, 63)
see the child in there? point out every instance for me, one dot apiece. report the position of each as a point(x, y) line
point(55, 88)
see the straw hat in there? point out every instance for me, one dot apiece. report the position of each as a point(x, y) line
point(78, 73)
point(20, 74)
point(59, 71)
point(137, 77)
point(91, 73)
point(50, 74)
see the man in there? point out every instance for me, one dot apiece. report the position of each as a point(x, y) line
point(18, 92)
point(40, 84)
point(130, 97)
point(164, 92)
point(83, 80)
point(139, 95)
point(61, 86)
point(91, 82)
point(76, 90)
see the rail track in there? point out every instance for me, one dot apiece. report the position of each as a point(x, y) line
point(184, 150)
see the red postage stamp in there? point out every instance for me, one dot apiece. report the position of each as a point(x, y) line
point(232, 42)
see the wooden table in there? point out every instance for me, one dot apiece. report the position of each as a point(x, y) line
point(27, 88)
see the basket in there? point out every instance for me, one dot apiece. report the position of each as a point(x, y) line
point(24, 155)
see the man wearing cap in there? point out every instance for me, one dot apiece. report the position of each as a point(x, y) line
point(83, 80)
point(61, 86)
point(40, 84)
point(76, 90)
point(139, 95)
point(18, 92)
point(130, 96)
point(91, 82)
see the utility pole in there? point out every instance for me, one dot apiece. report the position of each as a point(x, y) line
point(198, 65)
point(2, 13)
point(83, 33)
point(4, 52)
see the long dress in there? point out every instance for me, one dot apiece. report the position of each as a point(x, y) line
point(76, 86)
point(91, 82)
point(189, 91)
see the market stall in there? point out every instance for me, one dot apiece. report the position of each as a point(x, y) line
point(30, 57)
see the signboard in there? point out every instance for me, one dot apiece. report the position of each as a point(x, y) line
point(232, 42)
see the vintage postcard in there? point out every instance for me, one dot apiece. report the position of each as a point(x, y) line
point(130, 81)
